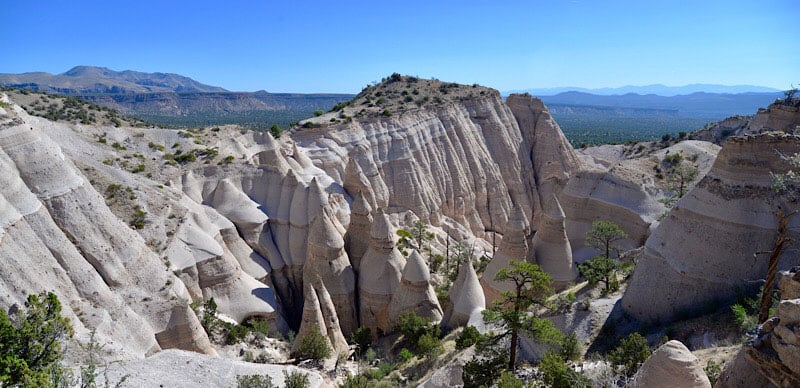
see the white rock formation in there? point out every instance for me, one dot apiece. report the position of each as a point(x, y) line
point(415, 293)
point(671, 365)
point(513, 246)
point(466, 299)
point(380, 273)
point(551, 248)
point(703, 251)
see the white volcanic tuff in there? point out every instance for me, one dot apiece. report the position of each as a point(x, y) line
point(671, 365)
point(550, 246)
point(379, 275)
point(545, 151)
point(328, 267)
point(415, 292)
point(358, 232)
point(466, 299)
point(513, 246)
point(436, 163)
point(704, 250)
point(82, 251)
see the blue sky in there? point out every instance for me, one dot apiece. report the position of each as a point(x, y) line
point(309, 46)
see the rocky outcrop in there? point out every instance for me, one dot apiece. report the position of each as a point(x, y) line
point(381, 269)
point(329, 267)
point(773, 357)
point(513, 246)
point(777, 117)
point(671, 365)
point(466, 299)
point(415, 293)
point(703, 251)
point(551, 248)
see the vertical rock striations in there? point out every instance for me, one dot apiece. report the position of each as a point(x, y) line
point(513, 246)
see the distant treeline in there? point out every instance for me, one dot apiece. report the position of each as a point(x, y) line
point(257, 120)
point(596, 130)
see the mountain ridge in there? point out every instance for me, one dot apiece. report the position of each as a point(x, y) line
point(657, 89)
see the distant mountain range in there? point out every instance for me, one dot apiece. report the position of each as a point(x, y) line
point(91, 80)
point(172, 99)
point(657, 89)
point(715, 106)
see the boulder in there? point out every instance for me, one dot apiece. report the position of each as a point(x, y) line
point(671, 365)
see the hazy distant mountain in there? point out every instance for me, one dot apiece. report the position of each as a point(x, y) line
point(700, 105)
point(172, 99)
point(91, 79)
point(656, 89)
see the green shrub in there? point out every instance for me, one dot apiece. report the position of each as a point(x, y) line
point(405, 355)
point(630, 354)
point(429, 345)
point(557, 374)
point(483, 370)
point(275, 130)
point(413, 327)
point(237, 334)
point(571, 348)
point(138, 218)
point(259, 327)
point(359, 381)
point(713, 370)
point(296, 379)
point(319, 112)
point(254, 381)
point(468, 337)
point(508, 380)
point(362, 339)
point(745, 320)
point(314, 345)
point(227, 160)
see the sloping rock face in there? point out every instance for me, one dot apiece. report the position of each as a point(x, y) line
point(671, 365)
point(58, 234)
point(415, 293)
point(703, 251)
point(619, 183)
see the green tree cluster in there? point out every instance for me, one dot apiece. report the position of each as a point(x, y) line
point(30, 343)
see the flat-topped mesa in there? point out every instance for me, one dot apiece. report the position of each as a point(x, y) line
point(513, 246)
point(551, 248)
point(328, 266)
point(415, 293)
point(380, 269)
point(466, 299)
point(703, 251)
point(356, 240)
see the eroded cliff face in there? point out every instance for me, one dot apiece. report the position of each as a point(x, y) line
point(135, 224)
point(704, 250)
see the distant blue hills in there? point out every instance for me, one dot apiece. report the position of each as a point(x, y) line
point(657, 89)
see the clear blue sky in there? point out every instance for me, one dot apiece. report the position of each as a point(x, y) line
point(340, 46)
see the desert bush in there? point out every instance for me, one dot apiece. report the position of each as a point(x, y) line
point(468, 337)
point(296, 379)
point(254, 381)
point(713, 370)
point(362, 339)
point(405, 355)
point(319, 112)
point(630, 354)
point(557, 374)
point(429, 345)
point(571, 348)
point(743, 318)
point(508, 380)
point(314, 345)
